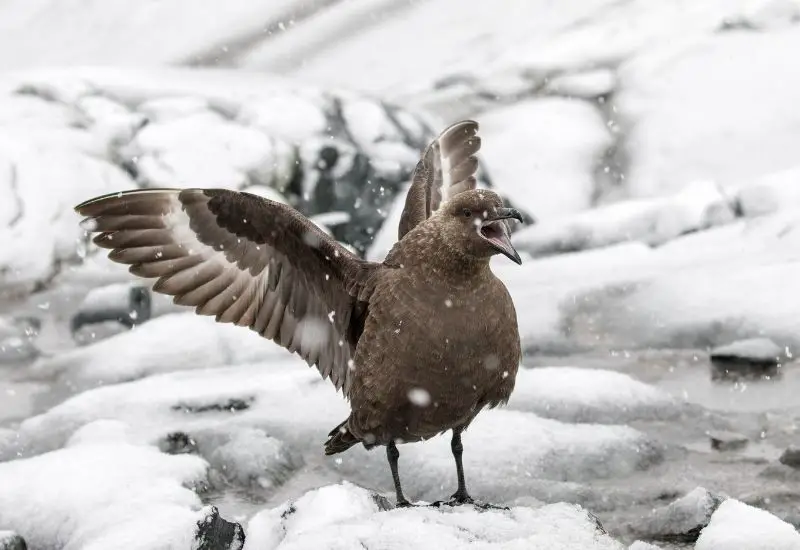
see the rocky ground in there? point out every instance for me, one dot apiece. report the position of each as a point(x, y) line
point(653, 142)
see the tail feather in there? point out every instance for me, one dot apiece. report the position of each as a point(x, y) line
point(340, 439)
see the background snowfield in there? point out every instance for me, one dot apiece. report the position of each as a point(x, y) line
point(656, 144)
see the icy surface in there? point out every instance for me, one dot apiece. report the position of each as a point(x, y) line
point(347, 517)
point(737, 525)
point(573, 394)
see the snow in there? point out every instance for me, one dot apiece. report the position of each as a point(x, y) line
point(48, 32)
point(652, 221)
point(287, 401)
point(103, 495)
point(753, 349)
point(347, 517)
point(681, 517)
point(770, 193)
point(345, 44)
point(586, 85)
point(573, 394)
point(541, 153)
point(641, 545)
point(171, 342)
point(689, 122)
point(737, 525)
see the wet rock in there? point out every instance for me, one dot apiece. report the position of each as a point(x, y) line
point(229, 405)
point(681, 520)
point(248, 457)
point(177, 443)
point(216, 533)
point(753, 357)
point(791, 457)
point(127, 304)
point(727, 441)
point(11, 541)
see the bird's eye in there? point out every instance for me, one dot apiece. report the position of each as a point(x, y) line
point(467, 212)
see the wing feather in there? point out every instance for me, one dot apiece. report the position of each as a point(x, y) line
point(245, 260)
point(447, 167)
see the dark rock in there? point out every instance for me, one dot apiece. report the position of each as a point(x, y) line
point(681, 520)
point(231, 405)
point(127, 304)
point(11, 541)
point(791, 457)
point(781, 472)
point(217, 533)
point(751, 358)
point(177, 443)
point(727, 441)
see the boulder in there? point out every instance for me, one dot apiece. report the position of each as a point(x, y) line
point(681, 520)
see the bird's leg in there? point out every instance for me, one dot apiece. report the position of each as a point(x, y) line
point(461, 496)
point(393, 455)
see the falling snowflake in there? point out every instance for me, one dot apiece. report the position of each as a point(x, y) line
point(419, 397)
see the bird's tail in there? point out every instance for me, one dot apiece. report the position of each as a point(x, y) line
point(340, 439)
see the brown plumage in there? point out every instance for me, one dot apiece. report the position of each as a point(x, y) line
point(419, 343)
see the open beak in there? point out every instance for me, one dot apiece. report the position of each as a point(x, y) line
point(495, 230)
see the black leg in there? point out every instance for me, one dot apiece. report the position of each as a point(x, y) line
point(461, 495)
point(393, 455)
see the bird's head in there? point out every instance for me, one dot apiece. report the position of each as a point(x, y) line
point(476, 222)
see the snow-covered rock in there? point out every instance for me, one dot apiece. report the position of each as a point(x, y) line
point(737, 525)
point(586, 85)
point(126, 303)
point(171, 342)
point(572, 394)
point(730, 124)
point(105, 495)
point(651, 221)
point(770, 193)
point(542, 153)
point(345, 517)
point(681, 520)
point(289, 402)
point(641, 545)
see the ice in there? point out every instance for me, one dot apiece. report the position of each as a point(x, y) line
point(345, 516)
point(541, 153)
point(172, 342)
point(652, 221)
point(573, 394)
point(103, 495)
point(737, 525)
point(694, 123)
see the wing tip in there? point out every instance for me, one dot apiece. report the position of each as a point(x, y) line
point(84, 207)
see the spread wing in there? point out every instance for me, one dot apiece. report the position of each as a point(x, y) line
point(245, 260)
point(447, 167)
